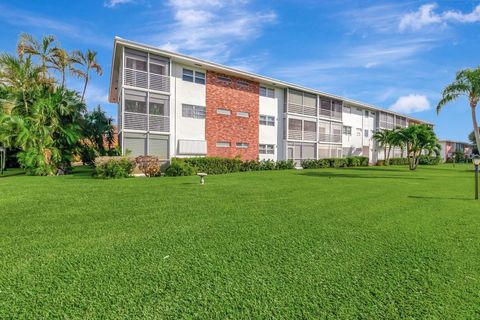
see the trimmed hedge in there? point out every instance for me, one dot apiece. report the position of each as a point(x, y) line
point(216, 165)
point(335, 163)
point(113, 167)
point(423, 160)
point(398, 161)
point(429, 160)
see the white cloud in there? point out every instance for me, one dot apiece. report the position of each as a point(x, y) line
point(210, 28)
point(114, 3)
point(411, 103)
point(426, 16)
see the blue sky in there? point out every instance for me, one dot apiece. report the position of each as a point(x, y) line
point(395, 55)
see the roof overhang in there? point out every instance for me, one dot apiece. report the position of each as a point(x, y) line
point(119, 43)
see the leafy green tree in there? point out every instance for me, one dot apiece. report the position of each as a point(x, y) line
point(43, 49)
point(466, 84)
point(98, 134)
point(382, 138)
point(18, 77)
point(418, 139)
point(471, 138)
point(63, 62)
point(48, 134)
point(88, 62)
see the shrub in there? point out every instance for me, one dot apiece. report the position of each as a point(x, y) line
point(335, 162)
point(284, 165)
point(428, 160)
point(113, 167)
point(398, 161)
point(179, 167)
point(149, 165)
point(214, 165)
point(267, 165)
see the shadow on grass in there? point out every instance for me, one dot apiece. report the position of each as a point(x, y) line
point(355, 176)
point(440, 198)
point(13, 174)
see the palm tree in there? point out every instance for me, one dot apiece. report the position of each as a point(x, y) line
point(20, 75)
point(383, 138)
point(418, 139)
point(467, 83)
point(88, 62)
point(63, 62)
point(44, 49)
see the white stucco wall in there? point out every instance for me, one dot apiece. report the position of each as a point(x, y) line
point(270, 134)
point(357, 119)
point(184, 92)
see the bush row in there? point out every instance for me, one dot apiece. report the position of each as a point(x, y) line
point(423, 160)
point(215, 165)
point(335, 163)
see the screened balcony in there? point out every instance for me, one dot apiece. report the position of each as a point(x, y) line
point(146, 71)
point(302, 130)
point(329, 132)
point(302, 103)
point(138, 117)
point(330, 108)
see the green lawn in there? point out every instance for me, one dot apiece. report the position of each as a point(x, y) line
point(339, 243)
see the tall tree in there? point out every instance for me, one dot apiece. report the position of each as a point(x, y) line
point(63, 62)
point(418, 139)
point(467, 84)
point(20, 75)
point(98, 129)
point(383, 137)
point(43, 49)
point(88, 61)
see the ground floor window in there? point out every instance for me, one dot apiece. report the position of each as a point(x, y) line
point(266, 149)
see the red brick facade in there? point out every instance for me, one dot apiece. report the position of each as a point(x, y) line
point(236, 95)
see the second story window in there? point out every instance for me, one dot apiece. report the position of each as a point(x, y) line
point(135, 101)
point(187, 75)
point(267, 92)
point(193, 76)
point(136, 64)
point(158, 105)
point(267, 120)
point(347, 130)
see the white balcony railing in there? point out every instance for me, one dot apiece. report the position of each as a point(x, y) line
point(159, 123)
point(140, 79)
point(335, 138)
point(304, 110)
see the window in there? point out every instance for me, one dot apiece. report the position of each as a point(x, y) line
point(191, 111)
point(158, 105)
point(347, 109)
point(347, 130)
point(135, 101)
point(199, 77)
point(366, 133)
point(242, 145)
point(294, 124)
point(225, 112)
point(267, 92)
point(187, 75)
point(223, 144)
point(366, 113)
point(157, 69)
point(266, 149)
point(243, 83)
point(243, 114)
point(136, 64)
point(267, 120)
point(359, 132)
point(224, 79)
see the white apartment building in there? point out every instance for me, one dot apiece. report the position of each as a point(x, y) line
point(173, 105)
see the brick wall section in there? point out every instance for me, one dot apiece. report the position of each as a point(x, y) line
point(237, 98)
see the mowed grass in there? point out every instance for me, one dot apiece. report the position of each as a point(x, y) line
point(367, 243)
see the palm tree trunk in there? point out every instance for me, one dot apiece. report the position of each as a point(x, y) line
point(85, 87)
point(63, 78)
point(475, 124)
